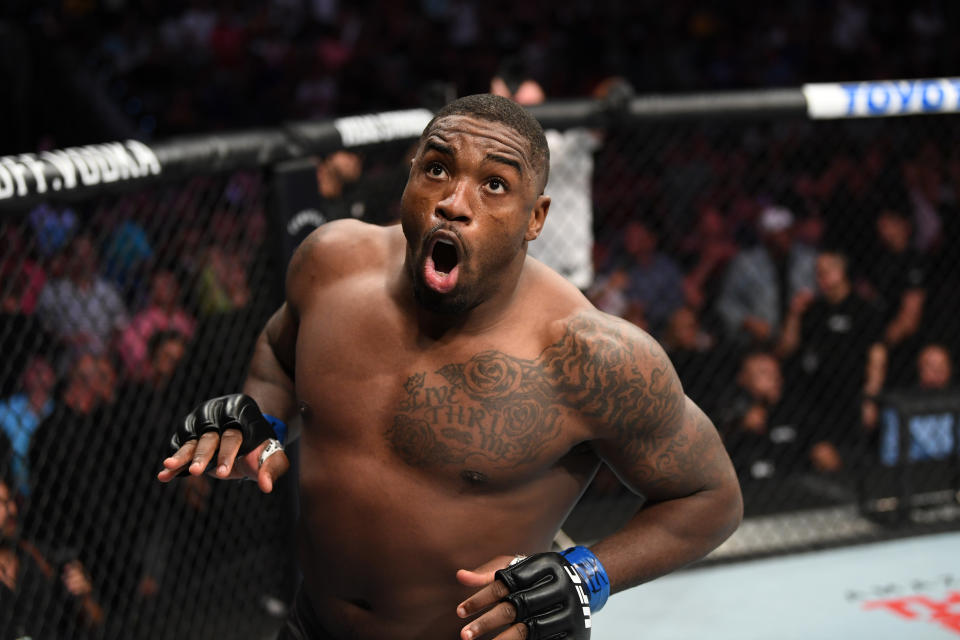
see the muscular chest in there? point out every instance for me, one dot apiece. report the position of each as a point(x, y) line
point(492, 413)
point(486, 417)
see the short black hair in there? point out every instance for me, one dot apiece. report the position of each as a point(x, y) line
point(837, 252)
point(487, 106)
point(891, 197)
point(161, 337)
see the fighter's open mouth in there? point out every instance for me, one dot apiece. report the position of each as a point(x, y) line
point(441, 269)
point(444, 256)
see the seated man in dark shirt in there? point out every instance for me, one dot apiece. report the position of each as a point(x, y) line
point(702, 360)
point(756, 422)
point(897, 279)
point(41, 595)
point(834, 339)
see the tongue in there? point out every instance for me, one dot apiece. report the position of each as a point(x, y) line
point(438, 280)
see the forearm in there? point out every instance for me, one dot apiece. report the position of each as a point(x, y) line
point(270, 377)
point(907, 320)
point(91, 611)
point(898, 329)
point(876, 371)
point(789, 336)
point(698, 275)
point(268, 382)
point(668, 535)
point(663, 446)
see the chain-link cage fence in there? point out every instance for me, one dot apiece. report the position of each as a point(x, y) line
point(801, 276)
point(120, 313)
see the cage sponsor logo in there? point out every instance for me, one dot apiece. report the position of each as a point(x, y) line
point(934, 600)
point(382, 127)
point(306, 219)
point(64, 169)
point(887, 98)
point(920, 608)
point(907, 588)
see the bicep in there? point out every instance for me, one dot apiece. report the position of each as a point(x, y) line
point(280, 336)
point(305, 274)
point(687, 458)
point(662, 445)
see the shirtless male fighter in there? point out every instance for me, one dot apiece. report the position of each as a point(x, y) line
point(456, 399)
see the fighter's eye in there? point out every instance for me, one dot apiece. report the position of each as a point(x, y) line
point(435, 170)
point(497, 185)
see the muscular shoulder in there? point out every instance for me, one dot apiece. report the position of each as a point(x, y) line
point(612, 370)
point(589, 335)
point(620, 380)
point(575, 327)
point(336, 250)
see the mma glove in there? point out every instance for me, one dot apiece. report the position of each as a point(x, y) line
point(554, 593)
point(234, 411)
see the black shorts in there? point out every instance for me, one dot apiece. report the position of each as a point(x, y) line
point(302, 622)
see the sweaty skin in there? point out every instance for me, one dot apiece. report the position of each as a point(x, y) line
point(449, 429)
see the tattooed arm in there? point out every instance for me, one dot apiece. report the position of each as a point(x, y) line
point(660, 444)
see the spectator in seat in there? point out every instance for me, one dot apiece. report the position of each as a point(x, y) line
point(931, 436)
point(126, 255)
point(655, 282)
point(756, 420)
point(222, 285)
point(41, 595)
point(897, 278)
point(167, 350)
point(835, 341)
point(21, 277)
point(52, 228)
point(929, 199)
point(67, 484)
point(163, 312)
point(934, 368)
point(703, 365)
point(21, 280)
point(705, 253)
point(82, 308)
point(760, 282)
point(142, 546)
point(942, 302)
point(21, 413)
point(609, 293)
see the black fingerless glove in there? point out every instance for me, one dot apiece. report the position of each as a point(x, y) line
point(550, 596)
point(235, 411)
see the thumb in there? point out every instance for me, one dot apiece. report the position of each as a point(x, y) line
point(474, 579)
point(273, 467)
point(484, 574)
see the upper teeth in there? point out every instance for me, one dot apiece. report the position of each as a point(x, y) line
point(439, 240)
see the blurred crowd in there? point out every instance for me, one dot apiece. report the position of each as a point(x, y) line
point(175, 66)
point(795, 274)
point(102, 309)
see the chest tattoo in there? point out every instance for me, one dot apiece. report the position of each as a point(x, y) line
point(507, 411)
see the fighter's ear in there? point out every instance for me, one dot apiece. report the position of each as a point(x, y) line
point(538, 215)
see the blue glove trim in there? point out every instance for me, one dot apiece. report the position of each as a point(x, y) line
point(592, 572)
point(279, 427)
